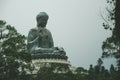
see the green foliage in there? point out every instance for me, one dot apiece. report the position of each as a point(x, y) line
point(100, 73)
point(14, 57)
point(2, 22)
point(55, 71)
point(110, 16)
point(111, 47)
point(99, 62)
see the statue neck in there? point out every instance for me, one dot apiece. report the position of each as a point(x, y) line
point(40, 28)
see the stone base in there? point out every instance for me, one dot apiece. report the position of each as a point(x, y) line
point(38, 63)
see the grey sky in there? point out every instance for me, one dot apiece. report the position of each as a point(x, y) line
point(76, 25)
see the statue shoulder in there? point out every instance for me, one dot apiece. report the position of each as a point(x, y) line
point(48, 31)
point(32, 34)
point(33, 30)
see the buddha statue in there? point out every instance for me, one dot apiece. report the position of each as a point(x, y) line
point(40, 38)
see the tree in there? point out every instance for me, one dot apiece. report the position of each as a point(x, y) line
point(81, 73)
point(14, 57)
point(91, 73)
point(112, 69)
point(111, 47)
point(99, 62)
point(56, 71)
point(112, 72)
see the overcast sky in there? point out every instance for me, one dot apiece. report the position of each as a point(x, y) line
point(76, 25)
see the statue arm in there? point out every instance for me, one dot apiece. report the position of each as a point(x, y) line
point(32, 36)
point(32, 40)
point(51, 40)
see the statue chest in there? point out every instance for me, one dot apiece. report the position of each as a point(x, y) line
point(44, 35)
point(44, 39)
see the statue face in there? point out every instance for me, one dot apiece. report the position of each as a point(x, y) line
point(41, 21)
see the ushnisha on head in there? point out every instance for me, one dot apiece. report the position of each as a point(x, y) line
point(42, 19)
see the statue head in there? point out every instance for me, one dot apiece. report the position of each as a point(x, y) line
point(41, 19)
